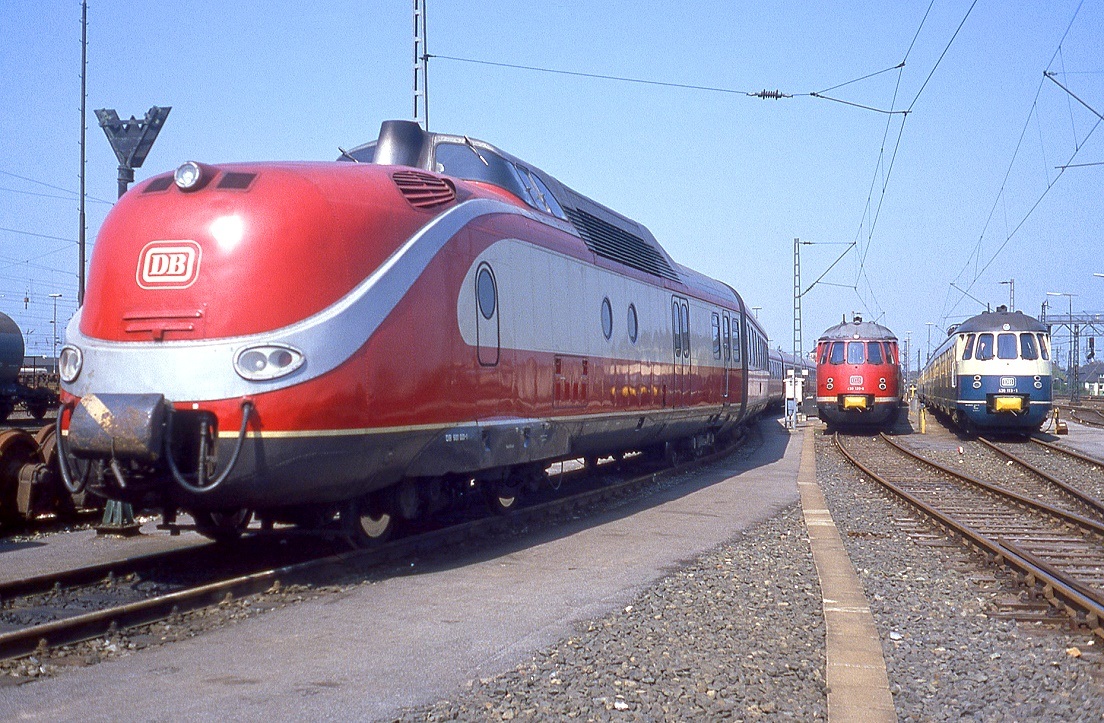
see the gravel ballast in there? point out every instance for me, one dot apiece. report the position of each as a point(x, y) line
point(738, 634)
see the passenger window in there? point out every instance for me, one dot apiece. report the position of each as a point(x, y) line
point(716, 324)
point(607, 318)
point(874, 352)
point(634, 326)
point(736, 341)
point(1006, 346)
point(968, 352)
point(1028, 349)
point(726, 336)
point(1043, 341)
point(854, 352)
point(837, 356)
point(985, 347)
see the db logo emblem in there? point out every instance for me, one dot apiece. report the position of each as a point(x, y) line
point(168, 265)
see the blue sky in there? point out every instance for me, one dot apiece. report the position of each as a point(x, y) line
point(724, 181)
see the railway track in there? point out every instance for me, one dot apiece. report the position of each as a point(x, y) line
point(90, 602)
point(1050, 547)
point(1090, 416)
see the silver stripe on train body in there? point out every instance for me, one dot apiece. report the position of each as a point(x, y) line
point(197, 371)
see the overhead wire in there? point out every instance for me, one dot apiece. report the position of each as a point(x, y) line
point(975, 253)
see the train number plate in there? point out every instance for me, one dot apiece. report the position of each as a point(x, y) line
point(856, 381)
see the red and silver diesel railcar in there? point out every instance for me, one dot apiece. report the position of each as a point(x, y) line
point(376, 336)
point(858, 375)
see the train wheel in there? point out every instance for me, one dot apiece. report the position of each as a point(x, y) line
point(223, 526)
point(367, 520)
point(502, 497)
point(17, 448)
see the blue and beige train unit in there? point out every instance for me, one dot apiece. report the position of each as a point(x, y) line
point(993, 373)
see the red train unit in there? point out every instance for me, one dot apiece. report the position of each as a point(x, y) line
point(858, 375)
point(373, 337)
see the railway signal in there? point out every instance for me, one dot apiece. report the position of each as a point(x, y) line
point(131, 139)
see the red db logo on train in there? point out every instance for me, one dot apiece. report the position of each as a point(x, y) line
point(168, 265)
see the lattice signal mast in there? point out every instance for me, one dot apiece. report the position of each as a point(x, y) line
point(421, 66)
point(797, 300)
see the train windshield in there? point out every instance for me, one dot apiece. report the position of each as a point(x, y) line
point(836, 355)
point(855, 352)
point(968, 352)
point(1028, 347)
point(1043, 347)
point(984, 347)
point(1007, 346)
point(478, 164)
point(874, 352)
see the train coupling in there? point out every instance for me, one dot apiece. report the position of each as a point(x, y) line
point(119, 426)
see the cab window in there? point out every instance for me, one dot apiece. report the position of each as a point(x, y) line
point(461, 160)
point(968, 351)
point(1028, 348)
point(1006, 346)
point(1043, 347)
point(985, 347)
point(836, 356)
point(855, 352)
point(874, 352)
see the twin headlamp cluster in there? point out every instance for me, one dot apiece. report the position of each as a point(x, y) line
point(260, 363)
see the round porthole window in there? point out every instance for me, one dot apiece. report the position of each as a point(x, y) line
point(634, 327)
point(607, 318)
point(485, 292)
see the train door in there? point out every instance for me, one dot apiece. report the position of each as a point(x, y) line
point(486, 316)
point(680, 332)
point(726, 352)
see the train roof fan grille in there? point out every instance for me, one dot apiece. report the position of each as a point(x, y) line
point(423, 190)
point(617, 244)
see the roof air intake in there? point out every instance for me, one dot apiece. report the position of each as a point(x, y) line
point(423, 190)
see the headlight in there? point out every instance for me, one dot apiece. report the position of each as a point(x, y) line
point(270, 361)
point(69, 363)
point(188, 175)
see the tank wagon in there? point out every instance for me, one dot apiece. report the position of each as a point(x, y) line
point(992, 373)
point(36, 399)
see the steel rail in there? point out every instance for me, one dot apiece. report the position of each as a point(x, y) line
point(1071, 452)
point(1064, 515)
point(1084, 497)
point(78, 628)
point(1057, 588)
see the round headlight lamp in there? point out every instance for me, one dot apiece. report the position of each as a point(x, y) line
point(188, 175)
point(70, 362)
point(267, 361)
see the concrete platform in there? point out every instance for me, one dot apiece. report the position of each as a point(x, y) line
point(418, 638)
